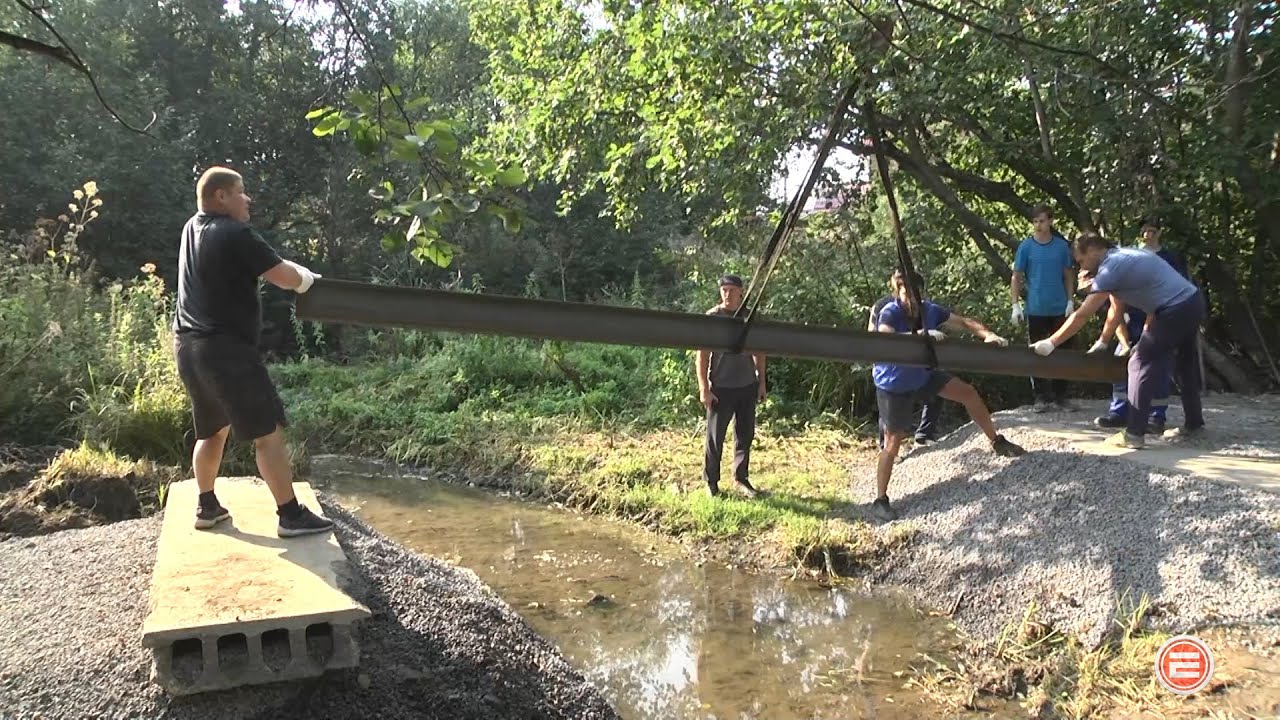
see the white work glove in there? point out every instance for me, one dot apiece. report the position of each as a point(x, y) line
point(937, 335)
point(1122, 348)
point(308, 277)
point(994, 339)
point(1097, 347)
point(1071, 306)
point(1044, 347)
point(1017, 315)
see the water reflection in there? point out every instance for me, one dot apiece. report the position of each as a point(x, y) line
point(661, 636)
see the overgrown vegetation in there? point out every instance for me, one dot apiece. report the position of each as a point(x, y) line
point(1055, 676)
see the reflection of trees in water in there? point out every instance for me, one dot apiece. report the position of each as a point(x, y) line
point(646, 657)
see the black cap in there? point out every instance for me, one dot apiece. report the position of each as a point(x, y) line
point(730, 280)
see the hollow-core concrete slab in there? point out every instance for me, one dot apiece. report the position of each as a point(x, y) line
point(237, 605)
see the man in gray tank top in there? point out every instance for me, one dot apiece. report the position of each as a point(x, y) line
point(729, 386)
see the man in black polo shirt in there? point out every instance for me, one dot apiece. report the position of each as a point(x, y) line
point(216, 332)
point(729, 386)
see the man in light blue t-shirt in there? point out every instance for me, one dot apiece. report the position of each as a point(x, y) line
point(1043, 265)
point(1174, 307)
point(899, 387)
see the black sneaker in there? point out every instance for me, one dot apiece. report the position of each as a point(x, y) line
point(1109, 421)
point(1004, 448)
point(713, 490)
point(304, 522)
point(925, 439)
point(208, 517)
point(880, 508)
point(1155, 428)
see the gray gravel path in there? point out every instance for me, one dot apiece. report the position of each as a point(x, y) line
point(440, 643)
point(1076, 533)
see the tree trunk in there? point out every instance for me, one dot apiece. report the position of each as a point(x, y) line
point(1236, 377)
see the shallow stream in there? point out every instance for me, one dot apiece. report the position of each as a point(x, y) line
point(661, 635)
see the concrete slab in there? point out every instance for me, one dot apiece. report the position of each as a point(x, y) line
point(237, 605)
point(1259, 472)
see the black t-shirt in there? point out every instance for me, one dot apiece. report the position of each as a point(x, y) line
point(218, 267)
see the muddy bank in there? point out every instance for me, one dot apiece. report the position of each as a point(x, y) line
point(440, 643)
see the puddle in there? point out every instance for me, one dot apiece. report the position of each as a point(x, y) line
point(661, 636)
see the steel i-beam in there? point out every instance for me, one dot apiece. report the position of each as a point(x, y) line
point(344, 301)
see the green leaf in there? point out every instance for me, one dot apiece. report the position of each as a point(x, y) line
point(362, 100)
point(438, 252)
point(446, 142)
point(466, 203)
point(512, 176)
point(402, 149)
point(426, 209)
point(327, 125)
point(512, 220)
point(392, 242)
point(318, 112)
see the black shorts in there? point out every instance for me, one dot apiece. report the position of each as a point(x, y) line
point(897, 410)
point(228, 385)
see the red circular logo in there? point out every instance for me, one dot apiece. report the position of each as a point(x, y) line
point(1184, 664)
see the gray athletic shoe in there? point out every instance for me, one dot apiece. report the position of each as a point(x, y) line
point(1179, 434)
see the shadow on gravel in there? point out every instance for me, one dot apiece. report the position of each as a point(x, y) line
point(1110, 521)
point(439, 645)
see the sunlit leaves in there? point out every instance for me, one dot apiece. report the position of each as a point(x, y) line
point(445, 182)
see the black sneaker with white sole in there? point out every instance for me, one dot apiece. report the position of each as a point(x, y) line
point(208, 517)
point(303, 522)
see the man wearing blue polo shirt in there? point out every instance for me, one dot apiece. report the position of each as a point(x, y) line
point(1134, 320)
point(1174, 307)
point(1043, 265)
point(899, 387)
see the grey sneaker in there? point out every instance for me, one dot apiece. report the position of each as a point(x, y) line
point(304, 523)
point(207, 518)
point(1005, 448)
point(1179, 434)
point(1125, 440)
point(880, 508)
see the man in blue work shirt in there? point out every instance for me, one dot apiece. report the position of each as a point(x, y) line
point(1134, 319)
point(927, 431)
point(1174, 307)
point(898, 387)
point(1043, 265)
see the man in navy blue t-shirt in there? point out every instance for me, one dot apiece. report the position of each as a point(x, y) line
point(899, 387)
point(1174, 307)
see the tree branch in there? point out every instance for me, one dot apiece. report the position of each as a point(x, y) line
point(38, 48)
point(66, 55)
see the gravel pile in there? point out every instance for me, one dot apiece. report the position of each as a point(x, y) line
point(440, 643)
point(1076, 533)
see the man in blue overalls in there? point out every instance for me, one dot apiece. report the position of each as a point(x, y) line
point(1118, 413)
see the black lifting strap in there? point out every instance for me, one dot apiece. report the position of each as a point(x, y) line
point(904, 255)
point(782, 233)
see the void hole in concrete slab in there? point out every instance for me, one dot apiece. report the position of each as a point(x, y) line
point(320, 642)
point(233, 653)
point(188, 660)
point(276, 652)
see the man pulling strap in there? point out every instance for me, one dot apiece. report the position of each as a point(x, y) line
point(898, 387)
point(927, 432)
point(1174, 307)
point(216, 331)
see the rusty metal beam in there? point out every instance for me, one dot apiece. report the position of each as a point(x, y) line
point(344, 301)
